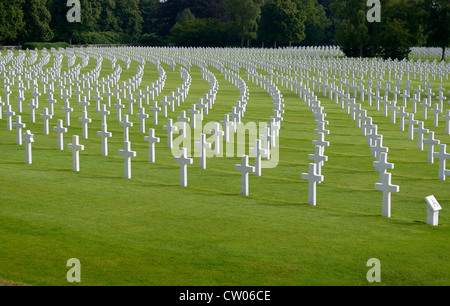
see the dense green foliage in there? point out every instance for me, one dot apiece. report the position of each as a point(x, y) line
point(404, 23)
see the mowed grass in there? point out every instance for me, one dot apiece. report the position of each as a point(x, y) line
point(150, 231)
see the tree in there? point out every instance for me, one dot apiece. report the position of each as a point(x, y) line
point(316, 23)
point(199, 32)
point(66, 31)
point(402, 27)
point(129, 17)
point(352, 29)
point(438, 24)
point(11, 20)
point(245, 15)
point(37, 21)
point(282, 22)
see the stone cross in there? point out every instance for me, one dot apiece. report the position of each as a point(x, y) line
point(183, 160)
point(226, 129)
point(436, 112)
point(152, 140)
point(32, 106)
point(443, 156)
point(313, 178)
point(119, 107)
point(420, 132)
point(127, 155)
point(170, 128)
point(402, 114)
point(60, 129)
point(202, 145)
point(9, 113)
point(218, 134)
point(104, 134)
point(193, 112)
point(447, 122)
point(258, 151)
point(142, 116)
point(245, 169)
point(28, 138)
point(155, 110)
point(411, 122)
point(84, 121)
point(126, 125)
point(318, 158)
point(431, 142)
point(184, 121)
point(387, 188)
point(46, 116)
point(76, 148)
point(67, 109)
point(382, 165)
point(165, 103)
point(19, 126)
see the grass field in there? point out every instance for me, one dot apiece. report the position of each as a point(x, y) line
point(150, 231)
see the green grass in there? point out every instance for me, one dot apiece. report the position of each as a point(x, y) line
point(150, 231)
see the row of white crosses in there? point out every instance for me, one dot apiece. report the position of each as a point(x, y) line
point(393, 109)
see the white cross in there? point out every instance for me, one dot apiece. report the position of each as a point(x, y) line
point(103, 112)
point(104, 134)
point(420, 131)
point(183, 160)
point(431, 142)
point(386, 187)
point(184, 121)
point(202, 145)
point(402, 114)
point(245, 169)
point(28, 139)
point(378, 148)
point(9, 114)
point(67, 109)
point(415, 100)
point(225, 123)
point(258, 151)
point(126, 125)
point(76, 148)
point(127, 155)
point(19, 126)
point(313, 178)
point(155, 110)
point(170, 128)
point(411, 122)
point(218, 134)
point(119, 107)
point(60, 129)
point(84, 121)
point(425, 106)
point(443, 156)
point(321, 142)
point(447, 122)
point(382, 165)
point(318, 158)
point(193, 112)
point(97, 99)
point(142, 115)
point(130, 101)
point(46, 116)
point(165, 103)
point(152, 140)
point(436, 111)
point(394, 108)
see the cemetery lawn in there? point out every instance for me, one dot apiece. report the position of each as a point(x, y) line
point(150, 231)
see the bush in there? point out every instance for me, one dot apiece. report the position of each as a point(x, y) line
point(46, 45)
point(101, 38)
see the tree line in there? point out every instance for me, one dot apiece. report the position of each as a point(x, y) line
point(268, 23)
